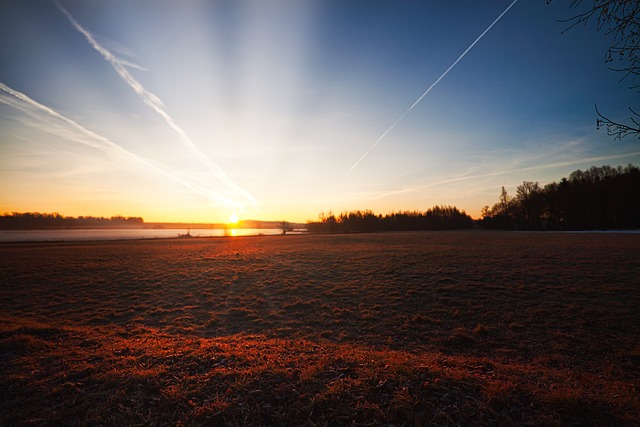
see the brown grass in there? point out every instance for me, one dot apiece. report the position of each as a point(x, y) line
point(451, 328)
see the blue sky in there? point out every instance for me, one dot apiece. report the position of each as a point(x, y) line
point(196, 110)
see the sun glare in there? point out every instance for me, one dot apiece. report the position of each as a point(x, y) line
point(233, 219)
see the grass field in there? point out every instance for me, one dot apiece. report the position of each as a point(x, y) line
point(442, 328)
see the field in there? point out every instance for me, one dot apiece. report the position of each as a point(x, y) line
point(441, 328)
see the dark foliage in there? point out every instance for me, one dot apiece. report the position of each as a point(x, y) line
point(45, 221)
point(436, 218)
point(286, 226)
point(598, 198)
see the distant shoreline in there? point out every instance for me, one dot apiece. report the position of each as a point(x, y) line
point(84, 236)
point(245, 224)
point(126, 234)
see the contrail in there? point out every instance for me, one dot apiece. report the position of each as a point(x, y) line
point(101, 143)
point(431, 87)
point(105, 144)
point(156, 105)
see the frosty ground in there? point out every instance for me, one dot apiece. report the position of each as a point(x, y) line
point(446, 328)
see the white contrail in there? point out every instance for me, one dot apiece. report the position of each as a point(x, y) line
point(104, 144)
point(156, 104)
point(21, 101)
point(431, 87)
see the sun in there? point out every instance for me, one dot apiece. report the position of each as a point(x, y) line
point(233, 219)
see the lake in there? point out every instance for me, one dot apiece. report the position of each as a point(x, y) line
point(123, 234)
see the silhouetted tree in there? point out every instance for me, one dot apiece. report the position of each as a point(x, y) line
point(597, 198)
point(285, 226)
point(553, 205)
point(327, 224)
point(500, 215)
point(40, 221)
point(436, 218)
point(529, 205)
point(619, 19)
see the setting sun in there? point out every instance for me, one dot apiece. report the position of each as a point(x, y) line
point(128, 122)
point(277, 212)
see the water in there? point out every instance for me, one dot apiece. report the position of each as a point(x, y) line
point(124, 234)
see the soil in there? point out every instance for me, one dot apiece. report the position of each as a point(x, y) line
point(430, 328)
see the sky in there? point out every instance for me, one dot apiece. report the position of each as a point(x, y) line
point(196, 111)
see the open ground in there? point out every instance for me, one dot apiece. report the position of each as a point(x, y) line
point(433, 328)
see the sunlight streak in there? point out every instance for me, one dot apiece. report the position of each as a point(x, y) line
point(430, 87)
point(156, 104)
point(22, 102)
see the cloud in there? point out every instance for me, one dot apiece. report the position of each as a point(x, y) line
point(469, 176)
point(29, 106)
point(54, 122)
point(156, 104)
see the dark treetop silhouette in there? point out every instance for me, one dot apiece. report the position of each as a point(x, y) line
point(598, 198)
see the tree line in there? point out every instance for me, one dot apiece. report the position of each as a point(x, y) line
point(599, 198)
point(44, 221)
point(436, 218)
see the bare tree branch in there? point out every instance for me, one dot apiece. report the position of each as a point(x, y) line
point(620, 20)
point(619, 130)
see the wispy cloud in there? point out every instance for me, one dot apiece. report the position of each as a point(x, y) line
point(481, 156)
point(130, 64)
point(431, 87)
point(470, 176)
point(31, 107)
point(156, 104)
point(73, 131)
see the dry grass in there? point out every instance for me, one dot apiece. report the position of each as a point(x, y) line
point(451, 328)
